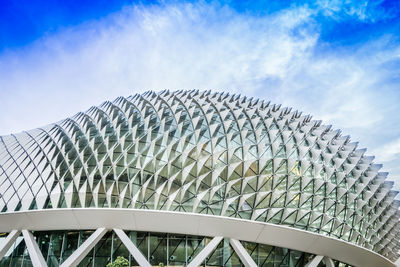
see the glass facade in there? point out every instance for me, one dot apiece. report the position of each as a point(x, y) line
point(207, 153)
point(158, 248)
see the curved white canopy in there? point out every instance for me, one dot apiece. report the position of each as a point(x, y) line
point(193, 224)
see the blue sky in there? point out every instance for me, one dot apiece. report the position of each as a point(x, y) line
point(336, 60)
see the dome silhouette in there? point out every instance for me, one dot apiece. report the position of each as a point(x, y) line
point(200, 152)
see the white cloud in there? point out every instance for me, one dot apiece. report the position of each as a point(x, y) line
point(174, 46)
point(389, 154)
point(364, 10)
point(389, 151)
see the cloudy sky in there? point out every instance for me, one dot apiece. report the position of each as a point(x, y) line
point(336, 60)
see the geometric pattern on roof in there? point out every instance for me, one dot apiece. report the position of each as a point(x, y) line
point(204, 152)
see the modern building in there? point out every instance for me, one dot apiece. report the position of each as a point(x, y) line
point(193, 178)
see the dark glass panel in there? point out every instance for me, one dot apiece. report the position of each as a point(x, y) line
point(176, 250)
point(158, 249)
point(70, 244)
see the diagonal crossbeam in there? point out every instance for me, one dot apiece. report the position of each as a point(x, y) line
point(315, 261)
point(33, 249)
point(329, 262)
point(135, 252)
point(7, 243)
point(84, 249)
point(242, 253)
point(199, 259)
point(318, 259)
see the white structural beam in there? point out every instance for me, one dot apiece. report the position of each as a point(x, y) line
point(84, 249)
point(135, 252)
point(193, 224)
point(199, 259)
point(318, 259)
point(33, 249)
point(329, 262)
point(315, 261)
point(8, 241)
point(242, 253)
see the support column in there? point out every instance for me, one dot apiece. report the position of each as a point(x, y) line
point(7, 243)
point(329, 262)
point(315, 261)
point(199, 259)
point(135, 252)
point(242, 253)
point(84, 249)
point(33, 249)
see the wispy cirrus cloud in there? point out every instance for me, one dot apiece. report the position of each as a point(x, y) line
point(364, 10)
point(153, 47)
point(389, 151)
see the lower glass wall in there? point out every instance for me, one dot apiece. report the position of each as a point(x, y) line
point(160, 249)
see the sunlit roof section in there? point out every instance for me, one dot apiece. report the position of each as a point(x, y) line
point(208, 153)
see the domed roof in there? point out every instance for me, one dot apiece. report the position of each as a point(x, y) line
point(204, 152)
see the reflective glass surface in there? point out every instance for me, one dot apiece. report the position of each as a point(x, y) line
point(204, 152)
point(159, 249)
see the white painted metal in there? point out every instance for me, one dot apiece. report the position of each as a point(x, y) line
point(33, 250)
point(84, 249)
point(135, 252)
point(193, 224)
point(210, 247)
point(315, 261)
point(7, 243)
point(242, 253)
point(329, 262)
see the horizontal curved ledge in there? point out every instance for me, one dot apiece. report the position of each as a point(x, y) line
point(192, 224)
